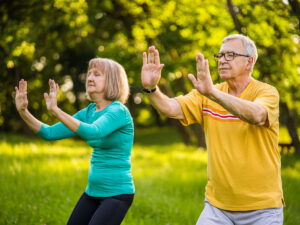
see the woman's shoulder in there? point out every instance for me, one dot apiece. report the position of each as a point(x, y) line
point(117, 106)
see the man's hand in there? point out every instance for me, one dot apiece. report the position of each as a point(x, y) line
point(21, 96)
point(203, 83)
point(151, 70)
point(51, 98)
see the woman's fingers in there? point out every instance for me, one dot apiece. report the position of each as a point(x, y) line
point(22, 85)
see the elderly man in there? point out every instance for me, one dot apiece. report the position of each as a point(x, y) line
point(240, 120)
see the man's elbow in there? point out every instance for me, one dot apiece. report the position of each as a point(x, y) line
point(261, 118)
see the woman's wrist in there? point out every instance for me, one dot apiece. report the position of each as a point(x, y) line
point(22, 110)
point(54, 111)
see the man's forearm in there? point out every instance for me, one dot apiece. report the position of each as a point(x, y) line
point(165, 105)
point(245, 110)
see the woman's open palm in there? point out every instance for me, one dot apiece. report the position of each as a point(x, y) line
point(51, 98)
point(21, 95)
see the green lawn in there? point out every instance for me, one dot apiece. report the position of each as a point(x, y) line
point(40, 182)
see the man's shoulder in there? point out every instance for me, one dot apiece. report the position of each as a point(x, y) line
point(260, 85)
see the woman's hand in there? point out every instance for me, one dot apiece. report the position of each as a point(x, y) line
point(151, 70)
point(51, 98)
point(21, 96)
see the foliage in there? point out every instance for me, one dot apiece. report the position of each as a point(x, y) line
point(55, 39)
point(42, 181)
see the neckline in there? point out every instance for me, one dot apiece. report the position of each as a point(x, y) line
point(243, 92)
point(102, 110)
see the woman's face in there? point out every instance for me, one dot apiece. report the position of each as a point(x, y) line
point(95, 83)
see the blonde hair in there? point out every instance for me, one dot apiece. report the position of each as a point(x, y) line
point(116, 82)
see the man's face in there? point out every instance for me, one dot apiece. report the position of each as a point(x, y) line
point(238, 66)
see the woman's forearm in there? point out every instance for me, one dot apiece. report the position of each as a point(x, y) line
point(30, 120)
point(66, 119)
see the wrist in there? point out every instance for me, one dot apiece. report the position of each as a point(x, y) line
point(212, 95)
point(149, 90)
point(22, 110)
point(54, 110)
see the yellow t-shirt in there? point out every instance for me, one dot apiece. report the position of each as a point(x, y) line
point(243, 160)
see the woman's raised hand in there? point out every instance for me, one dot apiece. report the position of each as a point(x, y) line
point(151, 70)
point(21, 96)
point(51, 98)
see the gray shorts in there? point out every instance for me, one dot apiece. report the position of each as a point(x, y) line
point(215, 216)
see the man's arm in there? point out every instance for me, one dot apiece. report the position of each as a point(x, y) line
point(151, 73)
point(169, 107)
point(245, 110)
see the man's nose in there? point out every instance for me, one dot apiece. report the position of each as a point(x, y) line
point(222, 59)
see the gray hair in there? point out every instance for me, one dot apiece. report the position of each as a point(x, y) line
point(248, 44)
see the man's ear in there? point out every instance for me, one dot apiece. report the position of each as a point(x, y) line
point(250, 62)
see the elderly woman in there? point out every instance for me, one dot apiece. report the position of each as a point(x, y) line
point(107, 126)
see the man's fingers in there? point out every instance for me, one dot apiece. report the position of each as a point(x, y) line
point(200, 62)
point(156, 57)
point(192, 78)
point(17, 90)
point(161, 66)
point(207, 66)
point(151, 55)
point(144, 58)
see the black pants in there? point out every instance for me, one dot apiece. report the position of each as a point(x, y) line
point(100, 210)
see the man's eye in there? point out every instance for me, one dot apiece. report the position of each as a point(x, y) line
point(230, 54)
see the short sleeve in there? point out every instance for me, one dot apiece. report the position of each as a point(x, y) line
point(191, 105)
point(268, 97)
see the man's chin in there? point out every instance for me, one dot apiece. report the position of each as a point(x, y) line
point(224, 76)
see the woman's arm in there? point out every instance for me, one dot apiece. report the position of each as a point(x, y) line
point(51, 102)
point(22, 104)
point(55, 132)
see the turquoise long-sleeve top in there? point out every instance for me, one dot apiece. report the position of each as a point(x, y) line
point(110, 133)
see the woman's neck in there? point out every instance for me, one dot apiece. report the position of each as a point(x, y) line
point(101, 103)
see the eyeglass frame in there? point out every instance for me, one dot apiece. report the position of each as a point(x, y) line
point(224, 54)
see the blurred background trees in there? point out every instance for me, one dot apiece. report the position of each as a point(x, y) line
point(56, 39)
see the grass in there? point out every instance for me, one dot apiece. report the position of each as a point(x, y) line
point(40, 182)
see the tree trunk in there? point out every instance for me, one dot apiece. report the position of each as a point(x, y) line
point(295, 5)
point(290, 123)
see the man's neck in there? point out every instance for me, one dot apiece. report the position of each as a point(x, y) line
point(237, 86)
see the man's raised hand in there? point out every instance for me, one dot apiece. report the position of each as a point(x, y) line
point(151, 70)
point(203, 83)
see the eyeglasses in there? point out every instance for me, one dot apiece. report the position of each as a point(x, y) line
point(229, 56)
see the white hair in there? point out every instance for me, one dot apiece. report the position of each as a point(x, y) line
point(248, 44)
